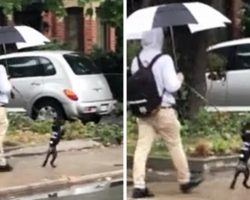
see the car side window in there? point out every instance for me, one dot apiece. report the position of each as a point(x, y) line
point(228, 54)
point(242, 57)
point(28, 67)
point(22, 67)
point(48, 67)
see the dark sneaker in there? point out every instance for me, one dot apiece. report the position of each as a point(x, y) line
point(5, 168)
point(194, 182)
point(141, 193)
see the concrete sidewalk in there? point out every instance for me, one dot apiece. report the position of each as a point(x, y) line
point(81, 165)
point(215, 187)
point(64, 146)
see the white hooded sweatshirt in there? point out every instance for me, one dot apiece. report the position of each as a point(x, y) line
point(163, 69)
point(5, 86)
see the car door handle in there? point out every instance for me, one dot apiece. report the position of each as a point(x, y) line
point(35, 84)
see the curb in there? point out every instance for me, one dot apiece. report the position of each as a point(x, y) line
point(9, 153)
point(200, 165)
point(51, 185)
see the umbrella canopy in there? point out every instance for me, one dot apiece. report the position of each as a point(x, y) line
point(197, 16)
point(22, 36)
point(9, 35)
point(31, 36)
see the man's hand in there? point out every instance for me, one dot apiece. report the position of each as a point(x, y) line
point(180, 77)
point(12, 95)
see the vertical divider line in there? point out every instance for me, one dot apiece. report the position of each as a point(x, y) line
point(124, 101)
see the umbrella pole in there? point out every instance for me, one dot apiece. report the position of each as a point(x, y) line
point(4, 49)
point(173, 47)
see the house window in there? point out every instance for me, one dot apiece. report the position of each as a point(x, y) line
point(101, 34)
point(74, 28)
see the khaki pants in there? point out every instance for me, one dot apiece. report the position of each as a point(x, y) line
point(3, 129)
point(166, 124)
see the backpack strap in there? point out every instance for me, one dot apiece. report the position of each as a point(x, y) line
point(139, 62)
point(151, 63)
point(154, 60)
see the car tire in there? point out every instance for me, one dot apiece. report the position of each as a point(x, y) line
point(52, 107)
point(93, 118)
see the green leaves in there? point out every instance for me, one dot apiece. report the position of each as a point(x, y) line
point(110, 13)
point(55, 6)
point(9, 5)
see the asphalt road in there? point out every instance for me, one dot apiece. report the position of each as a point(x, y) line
point(114, 193)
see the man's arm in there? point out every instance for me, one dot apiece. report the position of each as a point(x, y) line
point(5, 86)
point(172, 81)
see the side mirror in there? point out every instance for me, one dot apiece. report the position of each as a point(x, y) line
point(216, 67)
point(217, 75)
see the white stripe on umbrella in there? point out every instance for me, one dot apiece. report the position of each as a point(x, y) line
point(206, 17)
point(141, 21)
point(31, 36)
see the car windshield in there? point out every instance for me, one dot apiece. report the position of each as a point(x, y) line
point(80, 64)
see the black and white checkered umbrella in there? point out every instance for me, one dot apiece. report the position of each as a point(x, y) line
point(196, 15)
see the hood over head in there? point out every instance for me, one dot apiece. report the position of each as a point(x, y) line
point(153, 39)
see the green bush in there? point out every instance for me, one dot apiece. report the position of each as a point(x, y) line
point(207, 134)
point(23, 125)
point(133, 50)
point(109, 134)
point(111, 64)
point(55, 45)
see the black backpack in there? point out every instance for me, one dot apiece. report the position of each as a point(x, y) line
point(142, 93)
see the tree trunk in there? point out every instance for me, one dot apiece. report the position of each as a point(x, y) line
point(235, 16)
point(193, 63)
point(198, 70)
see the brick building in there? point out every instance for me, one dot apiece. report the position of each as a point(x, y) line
point(79, 31)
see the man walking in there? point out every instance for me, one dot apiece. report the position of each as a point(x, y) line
point(162, 121)
point(5, 89)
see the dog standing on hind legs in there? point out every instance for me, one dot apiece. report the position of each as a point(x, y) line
point(57, 133)
point(242, 166)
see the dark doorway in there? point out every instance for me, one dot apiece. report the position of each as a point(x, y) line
point(30, 16)
point(74, 28)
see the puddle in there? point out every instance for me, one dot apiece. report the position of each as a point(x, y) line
point(96, 191)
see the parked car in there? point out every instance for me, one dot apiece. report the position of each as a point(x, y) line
point(231, 88)
point(58, 83)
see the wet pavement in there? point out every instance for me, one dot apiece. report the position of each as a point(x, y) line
point(69, 164)
point(73, 167)
point(115, 193)
point(95, 191)
point(215, 187)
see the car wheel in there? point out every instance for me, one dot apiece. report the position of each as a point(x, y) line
point(93, 118)
point(48, 110)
